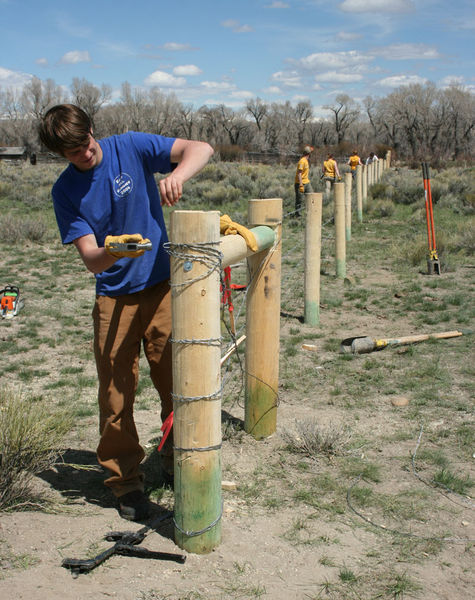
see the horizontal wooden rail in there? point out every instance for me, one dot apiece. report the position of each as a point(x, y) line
point(234, 247)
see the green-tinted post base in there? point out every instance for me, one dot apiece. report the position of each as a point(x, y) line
point(348, 234)
point(312, 313)
point(260, 419)
point(341, 268)
point(198, 504)
point(360, 216)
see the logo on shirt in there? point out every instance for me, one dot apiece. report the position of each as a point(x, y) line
point(123, 185)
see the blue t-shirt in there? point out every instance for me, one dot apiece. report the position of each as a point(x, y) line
point(119, 196)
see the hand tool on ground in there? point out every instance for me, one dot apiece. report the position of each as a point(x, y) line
point(10, 302)
point(126, 544)
point(364, 344)
point(433, 264)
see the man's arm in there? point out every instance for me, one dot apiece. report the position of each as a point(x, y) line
point(96, 259)
point(191, 157)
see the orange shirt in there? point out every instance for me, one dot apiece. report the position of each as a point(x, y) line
point(304, 169)
point(354, 161)
point(329, 168)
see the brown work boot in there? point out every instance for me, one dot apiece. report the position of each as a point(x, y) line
point(134, 506)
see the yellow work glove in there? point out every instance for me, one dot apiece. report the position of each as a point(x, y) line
point(301, 189)
point(124, 239)
point(228, 227)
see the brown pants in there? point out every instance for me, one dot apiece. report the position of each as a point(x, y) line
point(121, 325)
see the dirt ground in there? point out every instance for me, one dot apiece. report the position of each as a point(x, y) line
point(255, 558)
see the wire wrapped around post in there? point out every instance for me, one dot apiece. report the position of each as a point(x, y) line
point(196, 343)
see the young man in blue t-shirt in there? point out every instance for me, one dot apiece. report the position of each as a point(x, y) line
point(108, 195)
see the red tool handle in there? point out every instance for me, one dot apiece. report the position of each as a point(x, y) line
point(166, 428)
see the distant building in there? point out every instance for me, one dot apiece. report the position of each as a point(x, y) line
point(13, 153)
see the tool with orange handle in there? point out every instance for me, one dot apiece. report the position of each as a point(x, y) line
point(433, 264)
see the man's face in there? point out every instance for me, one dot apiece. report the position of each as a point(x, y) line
point(85, 157)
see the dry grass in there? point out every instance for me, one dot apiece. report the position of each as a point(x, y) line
point(30, 442)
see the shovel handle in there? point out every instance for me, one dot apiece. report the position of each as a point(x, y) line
point(411, 339)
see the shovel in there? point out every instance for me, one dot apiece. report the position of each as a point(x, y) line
point(364, 344)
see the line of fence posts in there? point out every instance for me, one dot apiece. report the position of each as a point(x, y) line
point(198, 254)
point(366, 176)
point(196, 262)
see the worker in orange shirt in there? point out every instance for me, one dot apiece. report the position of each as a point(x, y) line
point(354, 161)
point(302, 179)
point(330, 174)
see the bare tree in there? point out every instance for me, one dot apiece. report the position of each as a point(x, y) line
point(345, 113)
point(258, 110)
point(38, 96)
point(15, 128)
point(460, 119)
point(303, 114)
point(133, 103)
point(187, 121)
point(89, 97)
point(234, 124)
point(162, 113)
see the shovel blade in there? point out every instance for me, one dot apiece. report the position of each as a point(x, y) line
point(357, 345)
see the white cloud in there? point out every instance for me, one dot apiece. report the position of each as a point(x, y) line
point(13, 79)
point(335, 77)
point(287, 78)
point(244, 94)
point(398, 80)
point(75, 56)
point(161, 78)
point(333, 60)
point(377, 6)
point(187, 70)
point(236, 26)
point(175, 47)
point(278, 5)
point(407, 52)
point(43, 62)
point(118, 49)
point(299, 98)
point(346, 36)
point(217, 85)
point(451, 80)
point(273, 89)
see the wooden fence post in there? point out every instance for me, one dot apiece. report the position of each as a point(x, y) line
point(359, 193)
point(348, 186)
point(340, 244)
point(364, 172)
point(263, 334)
point(388, 159)
point(196, 344)
point(313, 245)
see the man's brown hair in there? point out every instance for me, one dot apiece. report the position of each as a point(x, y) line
point(65, 127)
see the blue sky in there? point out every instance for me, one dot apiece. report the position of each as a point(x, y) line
point(228, 51)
